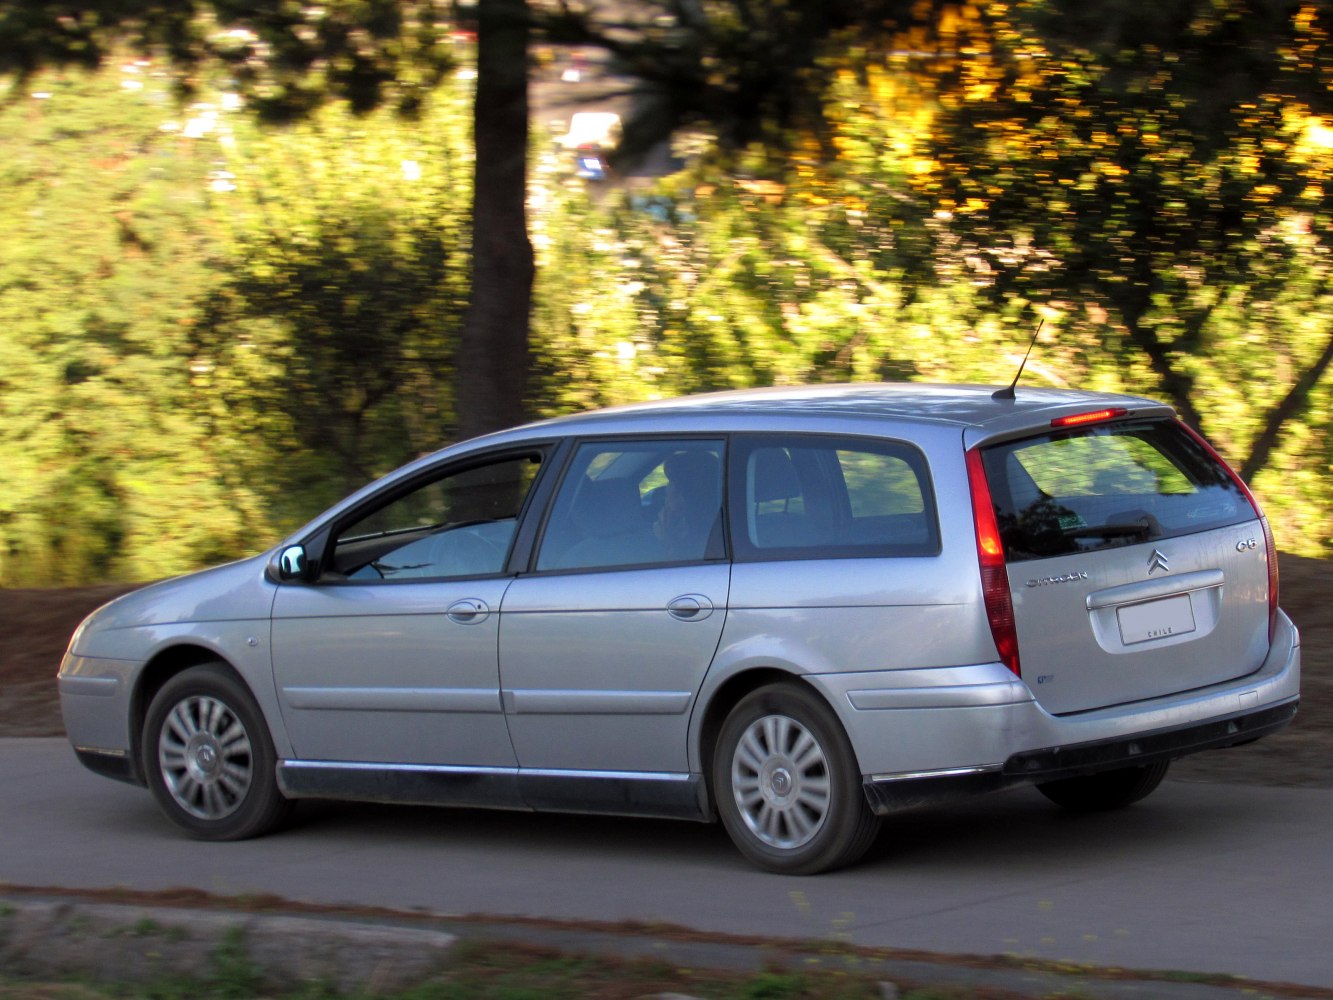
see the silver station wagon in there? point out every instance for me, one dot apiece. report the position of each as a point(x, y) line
point(793, 610)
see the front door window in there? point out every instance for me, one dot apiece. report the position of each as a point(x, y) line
point(460, 524)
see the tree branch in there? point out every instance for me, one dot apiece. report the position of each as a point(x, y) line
point(1293, 403)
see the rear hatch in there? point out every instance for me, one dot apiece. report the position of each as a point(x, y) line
point(1138, 564)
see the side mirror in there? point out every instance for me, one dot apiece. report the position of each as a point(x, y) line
point(292, 563)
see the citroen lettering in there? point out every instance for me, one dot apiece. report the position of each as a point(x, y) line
point(1046, 581)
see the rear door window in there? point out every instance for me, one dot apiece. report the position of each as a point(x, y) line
point(1105, 486)
point(637, 503)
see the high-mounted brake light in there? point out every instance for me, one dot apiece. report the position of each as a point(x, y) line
point(1091, 417)
point(990, 556)
point(1270, 545)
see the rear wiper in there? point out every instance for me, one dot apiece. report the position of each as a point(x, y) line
point(1146, 526)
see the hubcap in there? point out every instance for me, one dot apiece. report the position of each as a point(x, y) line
point(205, 756)
point(780, 781)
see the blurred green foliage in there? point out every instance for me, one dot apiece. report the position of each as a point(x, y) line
point(211, 328)
point(325, 347)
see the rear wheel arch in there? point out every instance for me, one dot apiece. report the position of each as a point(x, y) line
point(786, 781)
point(727, 696)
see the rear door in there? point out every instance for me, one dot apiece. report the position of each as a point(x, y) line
point(1137, 563)
point(604, 645)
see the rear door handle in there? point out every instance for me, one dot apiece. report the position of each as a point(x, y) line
point(690, 608)
point(468, 611)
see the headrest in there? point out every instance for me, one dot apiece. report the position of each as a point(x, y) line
point(774, 475)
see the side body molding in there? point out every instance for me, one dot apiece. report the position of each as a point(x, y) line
point(666, 795)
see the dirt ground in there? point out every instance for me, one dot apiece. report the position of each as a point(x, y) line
point(35, 626)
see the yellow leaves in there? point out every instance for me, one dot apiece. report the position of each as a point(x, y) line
point(1317, 135)
point(958, 22)
point(947, 208)
point(979, 90)
point(769, 191)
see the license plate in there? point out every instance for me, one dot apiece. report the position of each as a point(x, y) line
point(1155, 619)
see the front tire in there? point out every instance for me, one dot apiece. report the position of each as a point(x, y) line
point(787, 785)
point(1105, 790)
point(208, 757)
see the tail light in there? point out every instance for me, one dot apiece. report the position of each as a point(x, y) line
point(1270, 546)
point(990, 557)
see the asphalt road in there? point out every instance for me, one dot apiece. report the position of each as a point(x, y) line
point(1199, 878)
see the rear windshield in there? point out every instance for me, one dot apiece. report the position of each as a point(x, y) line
point(1112, 484)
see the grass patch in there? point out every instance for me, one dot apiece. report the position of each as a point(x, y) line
point(496, 971)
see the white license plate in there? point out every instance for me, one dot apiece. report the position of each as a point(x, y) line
point(1155, 619)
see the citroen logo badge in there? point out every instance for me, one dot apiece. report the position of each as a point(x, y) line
point(1158, 561)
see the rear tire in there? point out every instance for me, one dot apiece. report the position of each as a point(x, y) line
point(1106, 789)
point(787, 785)
point(209, 759)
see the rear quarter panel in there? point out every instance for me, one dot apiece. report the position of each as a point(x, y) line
point(862, 616)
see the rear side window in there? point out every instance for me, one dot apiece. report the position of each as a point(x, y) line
point(1105, 486)
point(806, 497)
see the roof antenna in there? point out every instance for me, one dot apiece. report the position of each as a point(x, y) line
point(1008, 393)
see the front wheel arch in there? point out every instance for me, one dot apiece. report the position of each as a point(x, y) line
point(207, 754)
point(165, 665)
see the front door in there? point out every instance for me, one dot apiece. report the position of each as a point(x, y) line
point(390, 656)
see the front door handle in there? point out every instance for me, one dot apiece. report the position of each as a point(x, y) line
point(690, 608)
point(468, 611)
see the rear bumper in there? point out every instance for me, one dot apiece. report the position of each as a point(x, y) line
point(890, 793)
point(1065, 762)
point(977, 729)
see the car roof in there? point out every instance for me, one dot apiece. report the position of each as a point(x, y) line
point(963, 406)
point(972, 409)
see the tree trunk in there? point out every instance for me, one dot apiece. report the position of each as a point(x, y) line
point(492, 366)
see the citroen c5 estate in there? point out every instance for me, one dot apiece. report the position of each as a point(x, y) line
point(793, 610)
